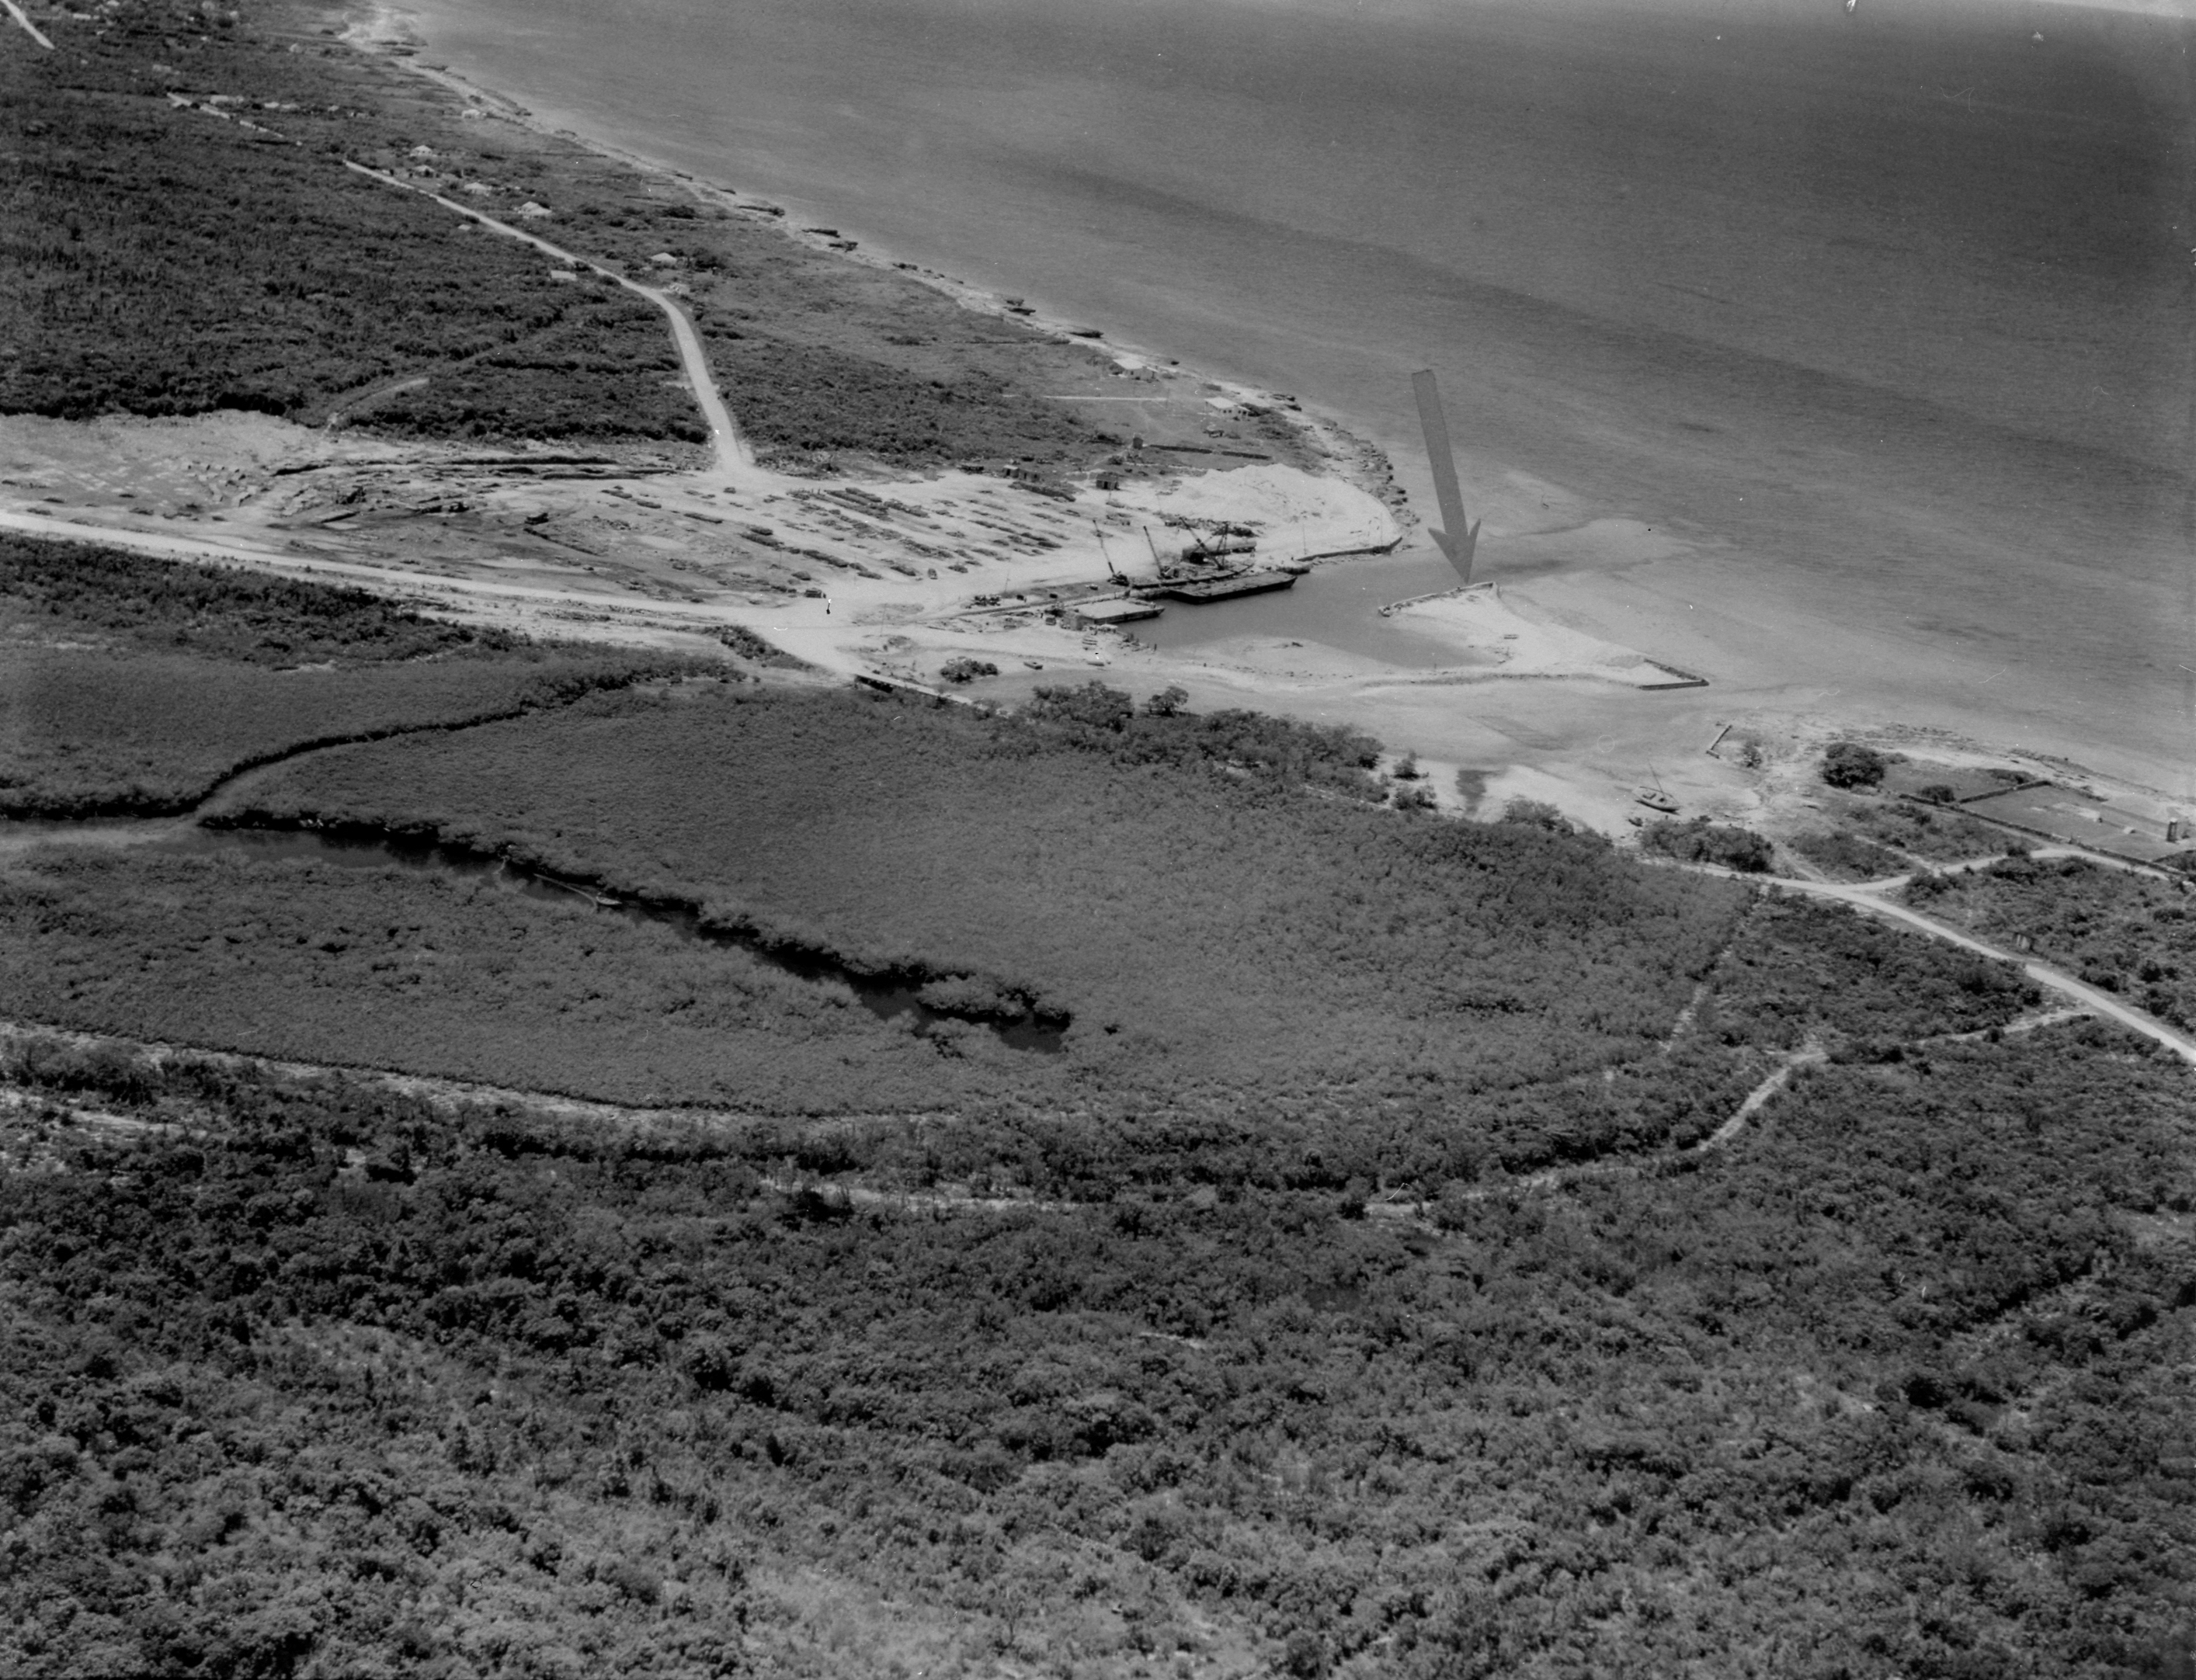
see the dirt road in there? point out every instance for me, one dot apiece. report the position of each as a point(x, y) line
point(1867, 899)
point(436, 590)
point(31, 29)
point(735, 462)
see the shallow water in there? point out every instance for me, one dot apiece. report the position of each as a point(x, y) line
point(1889, 307)
point(1336, 604)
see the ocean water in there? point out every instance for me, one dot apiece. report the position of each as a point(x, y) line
point(1890, 310)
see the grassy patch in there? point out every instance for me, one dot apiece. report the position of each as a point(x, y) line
point(394, 967)
point(97, 734)
point(1167, 882)
point(132, 686)
point(1849, 858)
point(1940, 835)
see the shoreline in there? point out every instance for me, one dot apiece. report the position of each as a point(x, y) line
point(1533, 705)
point(394, 32)
point(1604, 589)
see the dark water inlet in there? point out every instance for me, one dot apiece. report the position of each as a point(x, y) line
point(889, 995)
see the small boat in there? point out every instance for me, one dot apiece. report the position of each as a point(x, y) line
point(1657, 797)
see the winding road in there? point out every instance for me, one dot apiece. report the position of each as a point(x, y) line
point(734, 461)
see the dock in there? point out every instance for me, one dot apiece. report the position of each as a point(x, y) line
point(1121, 609)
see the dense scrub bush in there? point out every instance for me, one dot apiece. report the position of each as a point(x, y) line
point(1537, 814)
point(816, 399)
point(605, 370)
point(50, 589)
point(560, 1385)
point(749, 645)
point(1847, 764)
point(2129, 933)
point(158, 261)
point(1278, 751)
point(1801, 968)
point(1701, 841)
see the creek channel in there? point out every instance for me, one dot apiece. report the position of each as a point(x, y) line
point(887, 994)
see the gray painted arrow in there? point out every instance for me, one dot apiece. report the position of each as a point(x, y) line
point(1460, 541)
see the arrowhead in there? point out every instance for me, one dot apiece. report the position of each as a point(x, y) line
point(1459, 553)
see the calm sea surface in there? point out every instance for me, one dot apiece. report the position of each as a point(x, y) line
point(1895, 305)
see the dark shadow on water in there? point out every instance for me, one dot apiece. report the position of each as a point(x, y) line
point(886, 994)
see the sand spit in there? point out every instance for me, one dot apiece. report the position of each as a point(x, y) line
point(1497, 643)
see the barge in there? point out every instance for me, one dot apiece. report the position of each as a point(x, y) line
point(1224, 588)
